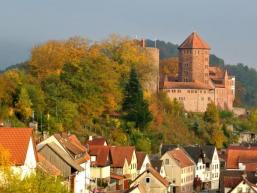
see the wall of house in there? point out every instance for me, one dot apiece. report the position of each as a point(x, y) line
point(133, 166)
point(172, 170)
point(194, 100)
point(151, 186)
point(100, 172)
point(56, 160)
point(215, 170)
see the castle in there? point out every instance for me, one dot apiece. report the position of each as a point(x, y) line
point(197, 84)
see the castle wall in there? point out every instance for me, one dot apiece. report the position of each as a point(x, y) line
point(194, 100)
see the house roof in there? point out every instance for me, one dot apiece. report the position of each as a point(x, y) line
point(156, 175)
point(203, 152)
point(180, 157)
point(16, 141)
point(46, 166)
point(185, 85)
point(121, 153)
point(194, 41)
point(97, 141)
point(140, 159)
point(70, 143)
point(236, 154)
point(101, 153)
point(63, 155)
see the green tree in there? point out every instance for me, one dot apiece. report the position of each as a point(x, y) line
point(134, 106)
point(23, 105)
point(212, 114)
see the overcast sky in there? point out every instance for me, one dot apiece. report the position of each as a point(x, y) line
point(229, 26)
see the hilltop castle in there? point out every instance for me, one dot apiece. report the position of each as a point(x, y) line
point(196, 83)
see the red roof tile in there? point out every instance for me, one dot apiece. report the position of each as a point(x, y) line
point(194, 41)
point(140, 159)
point(181, 157)
point(101, 153)
point(96, 141)
point(119, 154)
point(236, 154)
point(16, 141)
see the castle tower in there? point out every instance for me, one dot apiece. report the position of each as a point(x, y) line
point(194, 60)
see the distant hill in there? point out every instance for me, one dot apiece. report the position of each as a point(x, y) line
point(246, 78)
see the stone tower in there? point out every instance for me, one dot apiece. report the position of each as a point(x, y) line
point(154, 55)
point(194, 60)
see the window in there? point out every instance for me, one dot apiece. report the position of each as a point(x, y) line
point(147, 180)
point(166, 161)
point(93, 158)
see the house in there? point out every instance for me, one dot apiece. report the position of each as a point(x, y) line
point(244, 187)
point(20, 144)
point(124, 161)
point(152, 181)
point(70, 170)
point(247, 137)
point(100, 162)
point(142, 161)
point(77, 152)
point(96, 141)
point(207, 162)
point(241, 158)
point(47, 167)
point(237, 181)
point(179, 169)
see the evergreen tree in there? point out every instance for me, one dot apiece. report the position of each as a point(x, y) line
point(134, 106)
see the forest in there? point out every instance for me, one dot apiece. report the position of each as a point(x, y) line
point(100, 88)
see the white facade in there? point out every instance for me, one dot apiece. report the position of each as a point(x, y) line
point(82, 179)
point(215, 170)
point(242, 187)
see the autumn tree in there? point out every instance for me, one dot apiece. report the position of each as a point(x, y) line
point(23, 105)
point(134, 106)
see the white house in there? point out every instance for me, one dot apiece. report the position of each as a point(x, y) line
point(20, 144)
point(244, 187)
point(207, 165)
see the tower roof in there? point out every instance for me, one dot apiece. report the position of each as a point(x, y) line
point(194, 41)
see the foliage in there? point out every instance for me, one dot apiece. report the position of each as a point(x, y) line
point(135, 107)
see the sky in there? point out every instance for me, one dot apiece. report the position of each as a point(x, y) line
point(229, 26)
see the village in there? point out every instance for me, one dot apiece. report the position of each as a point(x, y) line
point(97, 166)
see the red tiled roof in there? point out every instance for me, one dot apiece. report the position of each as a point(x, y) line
point(96, 141)
point(101, 153)
point(194, 41)
point(16, 141)
point(140, 159)
point(46, 166)
point(242, 154)
point(185, 85)
point(181, 157)
point(231, 182)
point(119, 154)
